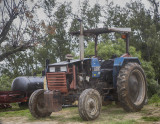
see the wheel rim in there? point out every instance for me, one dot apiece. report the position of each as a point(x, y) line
point(92, 105)
point(136, 86)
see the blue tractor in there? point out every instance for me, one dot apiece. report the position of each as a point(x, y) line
point(91, 81)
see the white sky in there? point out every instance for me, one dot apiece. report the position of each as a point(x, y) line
point(75, 3)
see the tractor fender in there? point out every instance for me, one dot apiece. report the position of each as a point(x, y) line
point(118, 63)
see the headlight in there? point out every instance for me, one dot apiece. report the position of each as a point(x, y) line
point(96, 68)
point(51, 69)
point(63, 68)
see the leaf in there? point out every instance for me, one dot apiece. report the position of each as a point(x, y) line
point(29, 15)
point(43, 24)
point(50, 30)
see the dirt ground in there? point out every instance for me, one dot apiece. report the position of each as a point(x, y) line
point(111, 114)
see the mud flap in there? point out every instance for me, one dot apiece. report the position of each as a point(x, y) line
point(53, 101)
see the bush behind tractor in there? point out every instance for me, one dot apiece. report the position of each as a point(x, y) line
point(91, 81)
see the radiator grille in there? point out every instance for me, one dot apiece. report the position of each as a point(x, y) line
point(57, 81)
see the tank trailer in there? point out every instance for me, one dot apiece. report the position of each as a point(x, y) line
point(21, 89)
point(91, 81)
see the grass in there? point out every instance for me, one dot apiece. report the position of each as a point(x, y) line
point(151, 118)
point(15, 111)
point(126, 122)
point(109, 114)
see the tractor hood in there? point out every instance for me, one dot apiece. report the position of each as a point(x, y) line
point(66, 62)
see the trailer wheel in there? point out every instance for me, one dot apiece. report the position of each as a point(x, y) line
point(89, 104)
point(37, 104)
point(131, 87)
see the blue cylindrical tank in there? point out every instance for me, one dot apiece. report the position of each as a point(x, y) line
point(27, 84)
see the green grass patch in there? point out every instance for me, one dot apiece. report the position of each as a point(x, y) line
point(74, 118)
point(110, 114)
point(70, 109)
point(118, 122)
point(15, 112)
point(126, 122)
point(144, 111)
point(151, 118)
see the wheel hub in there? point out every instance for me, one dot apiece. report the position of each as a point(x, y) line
point(40, 103)
point(92, 105)
point(136, 87)
point(133, 87)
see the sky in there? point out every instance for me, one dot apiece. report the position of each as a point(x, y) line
point(75, 3)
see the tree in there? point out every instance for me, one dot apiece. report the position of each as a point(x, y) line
point(21, 63)
point(144, 24)
point(57, 45)
point(61, 41)
point(90, 17)
point(156, 16)
point(12, 37)
point(21, 33)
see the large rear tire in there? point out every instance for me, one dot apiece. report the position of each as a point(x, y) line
point(37, 104)
point(89, 104)
point(131, 87)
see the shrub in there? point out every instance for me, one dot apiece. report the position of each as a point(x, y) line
point(5, 83)
point(155, 99)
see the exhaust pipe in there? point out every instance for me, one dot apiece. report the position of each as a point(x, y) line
point(81, 41)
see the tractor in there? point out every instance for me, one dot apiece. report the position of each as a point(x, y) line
point(90, 81)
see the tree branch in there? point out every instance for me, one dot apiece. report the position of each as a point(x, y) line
point(13, 12)
point(8, 53)
point(5, 30)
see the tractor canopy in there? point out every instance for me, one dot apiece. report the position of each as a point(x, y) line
point(96, 32)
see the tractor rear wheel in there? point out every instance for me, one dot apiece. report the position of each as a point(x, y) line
point(89, 104)
point(37, 104)
point(131, 87)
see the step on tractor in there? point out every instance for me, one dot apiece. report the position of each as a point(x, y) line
point(91, 81)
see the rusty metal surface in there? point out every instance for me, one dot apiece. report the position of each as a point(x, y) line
point(12, 96)
point(53, 101)
point(4, 106)
point(57, 81)
point(126, 55)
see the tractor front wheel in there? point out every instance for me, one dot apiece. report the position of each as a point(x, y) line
point(37, 104)
point(89, 104)
point(131, 87)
